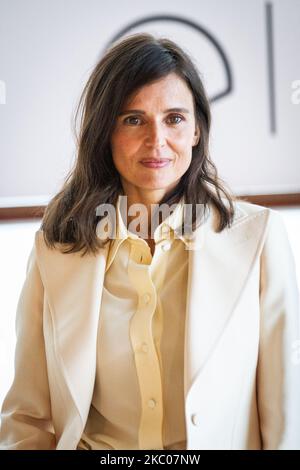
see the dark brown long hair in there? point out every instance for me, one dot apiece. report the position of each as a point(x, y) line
point(70, 217)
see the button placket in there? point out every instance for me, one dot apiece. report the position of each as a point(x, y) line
point(142, 340)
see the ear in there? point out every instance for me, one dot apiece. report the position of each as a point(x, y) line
point(196, 135)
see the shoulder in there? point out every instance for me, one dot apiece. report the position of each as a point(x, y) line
point(267, 220)
point(276, 254)
point(276, 249)
point(46, 255)
point(244, 210)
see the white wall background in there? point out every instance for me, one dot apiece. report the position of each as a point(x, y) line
point(49, 47)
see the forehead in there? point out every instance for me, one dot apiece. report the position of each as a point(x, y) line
point(169, 88)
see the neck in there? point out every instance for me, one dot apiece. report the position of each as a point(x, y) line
point(145, 198)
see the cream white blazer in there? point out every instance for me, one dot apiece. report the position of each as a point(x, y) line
point(242, 341)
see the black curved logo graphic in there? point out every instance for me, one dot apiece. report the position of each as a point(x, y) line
point(228, 74)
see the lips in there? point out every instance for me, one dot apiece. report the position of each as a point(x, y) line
point(156, 162)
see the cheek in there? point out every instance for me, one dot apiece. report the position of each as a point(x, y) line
point(184, 161)
point(123, 145)
point(183, 148)
point(182, 142)
point(185, 137)
point(119, 146)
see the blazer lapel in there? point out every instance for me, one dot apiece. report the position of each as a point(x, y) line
point(73, 285)
point(218, 271)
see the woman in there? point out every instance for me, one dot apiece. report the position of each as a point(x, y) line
point(183, 338)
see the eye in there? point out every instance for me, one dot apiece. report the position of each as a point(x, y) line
point(130, 120)
point(176, 116)
point(135, 120)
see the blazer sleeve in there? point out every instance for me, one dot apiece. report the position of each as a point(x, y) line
point(278, 371)
point(26, 410)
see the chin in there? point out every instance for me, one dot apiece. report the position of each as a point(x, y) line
point(155, 182)
point(155, 186)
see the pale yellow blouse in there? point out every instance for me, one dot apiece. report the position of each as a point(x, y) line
point(138, 400)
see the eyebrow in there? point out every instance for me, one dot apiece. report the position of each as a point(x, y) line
point(140, 111)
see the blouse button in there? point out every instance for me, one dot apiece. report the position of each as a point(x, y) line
point(146, 298)
point(151, 403)
point(145, 347)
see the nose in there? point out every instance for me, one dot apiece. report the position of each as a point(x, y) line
point(155, 136)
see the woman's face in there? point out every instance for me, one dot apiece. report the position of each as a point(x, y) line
point(152, 141)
